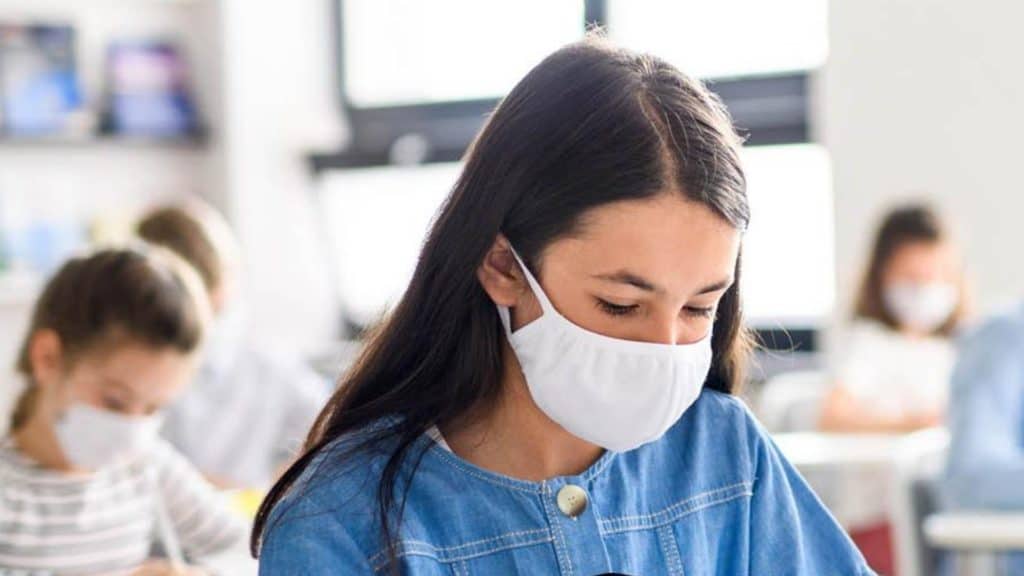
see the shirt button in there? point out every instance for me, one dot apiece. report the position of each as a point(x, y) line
point(572, 500)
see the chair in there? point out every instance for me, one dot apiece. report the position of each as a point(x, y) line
point(791, 401)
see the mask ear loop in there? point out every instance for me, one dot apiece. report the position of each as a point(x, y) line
point(542, 298)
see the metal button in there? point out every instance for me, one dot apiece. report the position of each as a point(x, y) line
point(572, 500)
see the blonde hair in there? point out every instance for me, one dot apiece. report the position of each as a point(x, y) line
point(197, 234)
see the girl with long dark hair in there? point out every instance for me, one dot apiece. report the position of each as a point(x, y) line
point(552, 395)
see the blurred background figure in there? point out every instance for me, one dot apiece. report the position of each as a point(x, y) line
point(85, 479)
point(893, 369)
point(985, 467)
point(249, 409)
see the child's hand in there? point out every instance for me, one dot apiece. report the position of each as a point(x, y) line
point(164, 568)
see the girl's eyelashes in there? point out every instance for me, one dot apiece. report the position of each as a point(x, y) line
point(113, 404)
point(624, 310)
point(699, 312)
point(615, 309)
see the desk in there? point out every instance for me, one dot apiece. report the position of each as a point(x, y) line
point(860, 477)
point(816, 451)
point(235, 562)
point(976, 536)
point(985, 531)
point(849, 472)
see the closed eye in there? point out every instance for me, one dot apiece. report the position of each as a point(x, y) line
point(615, 309)
point(698, 312)
point(114, 404)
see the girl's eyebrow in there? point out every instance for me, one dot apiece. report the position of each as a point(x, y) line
point(635, 280)
point(627, 277)
point(720, 285)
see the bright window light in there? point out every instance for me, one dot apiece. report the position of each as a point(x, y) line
point(414, 52)
point(789, 261)
point(377, 219)
point(721, 38)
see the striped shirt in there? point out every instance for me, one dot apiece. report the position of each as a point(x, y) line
point(105, 522)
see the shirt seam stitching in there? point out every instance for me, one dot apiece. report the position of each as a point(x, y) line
point(451, 554)
point(669, 515)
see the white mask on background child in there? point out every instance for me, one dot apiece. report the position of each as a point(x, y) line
point(922, 307)
point(92, 438)
point(617, 394)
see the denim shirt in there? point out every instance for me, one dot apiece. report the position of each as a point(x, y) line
point(985, 468)
point(712, 496)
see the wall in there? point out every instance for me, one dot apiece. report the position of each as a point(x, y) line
point(924, 97)
point(277, 63)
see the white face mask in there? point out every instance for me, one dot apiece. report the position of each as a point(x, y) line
point(92, 438)
point(922, 307)
point(617, 394)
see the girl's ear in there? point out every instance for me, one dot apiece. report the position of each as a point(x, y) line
point(46, 357)
point(500, 276)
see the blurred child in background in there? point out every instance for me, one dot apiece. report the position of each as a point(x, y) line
point(85, 480)
point(248, 410)
point(894, 369)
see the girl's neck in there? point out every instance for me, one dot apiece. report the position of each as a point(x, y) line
point(517, 439)
point(37, 440)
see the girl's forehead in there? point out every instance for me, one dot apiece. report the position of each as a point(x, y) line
point(921, 255)
point(133, 370)
point(666, 239)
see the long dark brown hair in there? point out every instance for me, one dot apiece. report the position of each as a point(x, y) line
point(590, 125)
point(903, 226)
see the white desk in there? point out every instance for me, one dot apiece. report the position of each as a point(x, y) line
point(976, 531)
point(976, 537)
point(848, 472)
point(816, 450)
point(235, 562)
point(859, 476)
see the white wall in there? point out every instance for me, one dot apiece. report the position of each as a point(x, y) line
point(925, 97)
point(279, 91)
